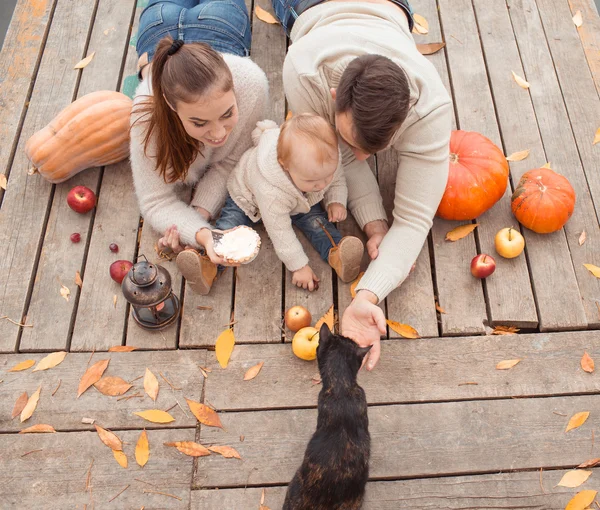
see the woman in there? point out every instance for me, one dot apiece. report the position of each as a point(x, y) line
point(194, 111)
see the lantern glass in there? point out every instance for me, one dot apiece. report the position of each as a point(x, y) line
point(158, 316)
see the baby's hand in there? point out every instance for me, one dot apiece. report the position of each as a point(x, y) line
point(336, 212)
point(305, 278)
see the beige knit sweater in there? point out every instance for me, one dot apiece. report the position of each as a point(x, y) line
point(162, 204)
point(325, 39)
point(264, 190)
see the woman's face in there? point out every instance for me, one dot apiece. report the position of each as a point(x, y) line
point(211, 119)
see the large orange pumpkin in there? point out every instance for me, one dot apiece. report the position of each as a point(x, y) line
point(478, 177)
point(543, 201)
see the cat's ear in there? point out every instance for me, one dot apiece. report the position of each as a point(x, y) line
point(324, 334)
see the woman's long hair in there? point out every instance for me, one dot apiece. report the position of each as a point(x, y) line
point(193, 70)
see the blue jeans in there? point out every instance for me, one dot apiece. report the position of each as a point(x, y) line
point(223, 24)
point(309, 223)
point(287, 11)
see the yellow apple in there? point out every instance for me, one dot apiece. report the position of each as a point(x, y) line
point(297, 317)
point(509, 243)
point(305, 343)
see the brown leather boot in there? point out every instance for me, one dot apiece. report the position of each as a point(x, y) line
point(345, 258)
point(197, 270)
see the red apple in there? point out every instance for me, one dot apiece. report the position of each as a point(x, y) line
point(81, 199)
point(297, 317)
point(119, 269)
point(482, 266)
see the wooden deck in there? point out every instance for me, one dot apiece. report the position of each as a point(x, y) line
point(449, 431)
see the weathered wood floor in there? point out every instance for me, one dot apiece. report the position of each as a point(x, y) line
point(449, 430)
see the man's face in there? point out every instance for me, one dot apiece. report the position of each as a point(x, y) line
point(345, 128)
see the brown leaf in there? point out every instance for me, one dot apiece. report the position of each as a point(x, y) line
point(92, 375)
point(587, 363)
point(439, 308)
point(78, 280)
point(265, 16)
point(24, 365)
point(19, 406)
point(109, 438)
point(31, 405)
point(595, 270)
point(520, 81)
point(252, 372)
point(430, 48)
point(190, 448)
point(227, 451)
point(403, 330)
point(224, 347)
point(421, 25)
point(596, 137)
point(574, 478)
point(115, 301)
point(142, 449)
point(112, 386)
point(83, 63)
point(122, 348)
point(505, 330)
point(50, 361)
point(326, 319)
point(289, 115)
point(578, 19)
point(355, 283)
point(581, 500)
point(65, 292)
point(582, 238)
point(518, 156)
point(204, 414)
point(121, 458)
point(590, 463)
point(156, 416)
point(577, 420)
point(507, 364)
point(461, 231)
point(151, 384)
point(40, 428)
point(3, 181)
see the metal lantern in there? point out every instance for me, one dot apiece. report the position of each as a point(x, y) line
point(147, 287)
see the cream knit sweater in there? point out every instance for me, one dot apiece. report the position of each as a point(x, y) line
point(162, 204)
point(264, 190)
point(325, 39)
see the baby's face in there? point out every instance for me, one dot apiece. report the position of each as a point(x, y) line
point(307, 172)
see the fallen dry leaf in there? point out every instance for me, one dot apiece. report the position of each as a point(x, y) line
point(578, 19)
point(78, 280)
point(507, 363)
point(121, 458)
point(461, 231)
point(520, 81)
point(265, 16)
point(439, 308)
point(227, 451)
point(19, 406)
point(224, 347)
point(204, 414)
point(577, 420)
point(31, 405)
point(115, 301)
point(252, 372)
point(582, 238)
point(328, 319)
point(505, 330)
point(142, 449)
point(518, 156)
point(547, 165)
point(38, 429)
point(24, 365)
point(403, 330)
point(112, 386)
point(596, 137)
point(262, 502)
point(92, 375)
point(155, 416)
point(430, 48)
point(3, 181)
point(151, 384)
point(421, 25)
point(122, 348)
point(289, 115)
point(65, 292)
point(595, 270)
point(574, 478)
point(587, 363)
point(83, 63)
point(581, 500)
point(50, 361)
point(355, 283)
point(109, 438)
point(590, 463)
point(190, 448)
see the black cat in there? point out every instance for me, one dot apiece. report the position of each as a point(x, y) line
point(335, 469)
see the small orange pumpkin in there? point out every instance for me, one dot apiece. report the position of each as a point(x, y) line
point(478, 177)
point(543, 201)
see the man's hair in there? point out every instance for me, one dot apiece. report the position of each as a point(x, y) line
point(375, 91)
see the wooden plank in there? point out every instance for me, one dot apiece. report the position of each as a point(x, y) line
point(508, 292)
point(589, 33)
point(550, 259)
point(561, 149)
point(61, 472)
point(60, 258)
point(26, 201)
point(412, 441)
point(415, 371)
point(64, 410)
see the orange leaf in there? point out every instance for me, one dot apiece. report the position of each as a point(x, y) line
point(142, 449)
point(24, 365)
point(151, 384)
point(581, 500)
point(587, 363)
point(252, 372)
point(461, 231)
point(265, 16)
point(595, 270)
point(204, 414)
point(520, 81)
point(355, 283)
point(403, 330)
point(224, 347)
point(121, 458)
point(122, 348)
point(590, 463)
point(227, 451)
point(41, 428)
point(507, 364)
point(92, 375)
point(439, 308)
point(109, 438)
point(596, 137)
point(3, 181)
point(78, 280)
point(30, 406)
point(190, 448)
point(112, 386)
point(505, 330)
point(19, 405)
point(577, 420)
point(289, 115)
point(50, 361)
point(431, 48)
point(421, 25)
point(574, 478)
point(156, 416)
point(83, 63)
point(326, 319)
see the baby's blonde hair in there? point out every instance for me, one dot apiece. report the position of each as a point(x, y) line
point(313, 129)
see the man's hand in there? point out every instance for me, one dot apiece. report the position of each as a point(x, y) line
point(305, 278)
point(376, 231)
point(364, 322)
point(336, 212)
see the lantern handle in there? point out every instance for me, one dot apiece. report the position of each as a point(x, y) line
point(142, 255)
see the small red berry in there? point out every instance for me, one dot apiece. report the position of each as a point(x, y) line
point(76, 237)
point(114, 247)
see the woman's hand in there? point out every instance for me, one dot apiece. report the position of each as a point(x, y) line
point(170, 241)
point(204, 237)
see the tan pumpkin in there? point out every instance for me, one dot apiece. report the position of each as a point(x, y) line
point(92, 131)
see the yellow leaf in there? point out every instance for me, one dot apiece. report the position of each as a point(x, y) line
point(122, 348)
point(421, 25)
point(582, 238)
point(121, 458)
point(65, 292)
point(109, 438)
point(78, 280)
point(505, 330)
point(31, 405)
point(507, 364)
point(50, 361)
point(578, 19)
point(92, 375)
point(355, 284)
point(3, 181)
point(112, 386)
point(204, 414)
point(265, 16)
point(156, 416)
point(577, 420)
point(224, 347)
point(518, 156)
point(461, 231)
point(19, 405)
point(574, 478)
point(595, 270)
point(547, 165)
point(227, 451)
point(520, 81)
point(326, 319)
point(82, 63)
point(596, 137)
point(587, 363)
point(142, 449)
point(289, 115)
point(252, 372)
point(24, 365)
point(151, 384)
point(38, 429)
point(403, 329)
point(581, 500)
point(431, 48)
point(190, 448)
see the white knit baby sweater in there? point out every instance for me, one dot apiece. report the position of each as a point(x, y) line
point(161, 203)
point(264, 190)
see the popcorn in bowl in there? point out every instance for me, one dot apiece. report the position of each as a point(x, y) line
point(239, 245)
